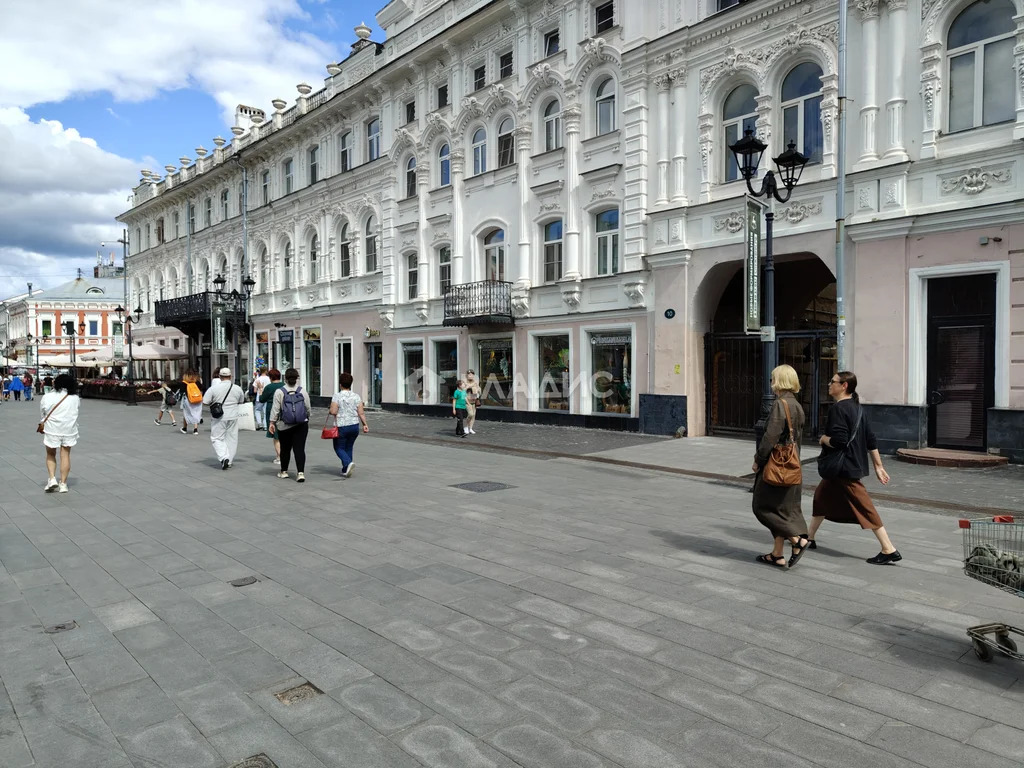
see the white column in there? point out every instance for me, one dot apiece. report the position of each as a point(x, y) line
point(662, 83)
point(895, 106)
point(679, 122)
point(524, 142)
point(869, 110)
point(571, 121)
point(422, 246)
point(458, 166)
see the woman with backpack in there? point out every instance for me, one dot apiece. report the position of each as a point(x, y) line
point(289, 420)
point(191, 396)
point(168, 399)
point(267, 400)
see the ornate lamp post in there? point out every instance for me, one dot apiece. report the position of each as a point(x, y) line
point(28, 351)
point(69, 330)
point(248, 285)
point(125, 318)
point(218, 283)
point(790, 164)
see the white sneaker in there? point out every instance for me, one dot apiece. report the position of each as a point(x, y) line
point(51, 485)
point(277, 461)
point(283, 475)
point(62, 488)
point(472, 431)
point(351, 467)
point(301, 477)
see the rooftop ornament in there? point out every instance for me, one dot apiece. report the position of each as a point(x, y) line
point(201, 151)
point(219, 141)
point(304, 88)
point(333, 69)
point(237, 130)
point(363, 32)
point(279, 104)
point(184, 160)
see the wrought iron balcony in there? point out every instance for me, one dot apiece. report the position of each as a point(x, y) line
point(488, 302)
point(196, 308)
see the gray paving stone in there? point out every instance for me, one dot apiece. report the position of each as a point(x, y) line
point(483, 636)
point(1000, 739)
point(439, 745)
point(730, 709)
point(303, 715)
point(465, 706)
point(705, 667)
point(826, 711)
point(37, 577)
point(147, 637)
point(325, 667)
point(171, 743)
point(392, 574)
point(213, 706)
point(558, 670)
point(534, 747)
point(107, 667)
point(633, 750)
point(633, 669)
point(712, 744)
point(447, 573)
point(134, 706)
point(616, 611)
point(128, 613)
point(347, 637)
point(382, 705)
point(980, 703)
point(254, 669)
point(901, 677)
point(625, 638)
point(551, 610)
point(486, 610)
point(13, 745)
point(399, 666)
point(549, 635)
point(794, 670)
point(825, 747)
point(565, 713)
point(265, 736)
point(413, 636)
point(476, 668)
point(928, 748)
point(351, 742)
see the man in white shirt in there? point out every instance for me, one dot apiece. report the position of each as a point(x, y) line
point(261, 415)
point(224, 432)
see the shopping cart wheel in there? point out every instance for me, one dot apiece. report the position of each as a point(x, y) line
point(1006, 643)
point(982, 650)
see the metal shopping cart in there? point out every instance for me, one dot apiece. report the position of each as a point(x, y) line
point(994, 554)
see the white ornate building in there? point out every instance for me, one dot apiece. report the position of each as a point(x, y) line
point(541, 190)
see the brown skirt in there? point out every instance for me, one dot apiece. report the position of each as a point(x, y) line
point(842, 500)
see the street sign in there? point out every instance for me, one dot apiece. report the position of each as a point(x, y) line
point(219, 331)
point(752, 266)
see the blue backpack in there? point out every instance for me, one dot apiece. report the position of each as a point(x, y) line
point(293, 407)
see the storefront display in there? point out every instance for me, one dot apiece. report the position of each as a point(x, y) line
point(612, 381)
point(553, 370)
point(495, 372)
point(311, 347)
point(412, 355)
point(446, 362)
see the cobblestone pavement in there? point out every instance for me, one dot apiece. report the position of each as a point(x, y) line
point(589, 615)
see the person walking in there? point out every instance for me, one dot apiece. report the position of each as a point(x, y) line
point(224, 397)
point(267, 398)
point(472, 400)
point(16, 386)
point(190, 394)
point(777, 507)
point(59, 412)
point(47, 385)
point(259, 383)
point(26, 382)
point(168, 399)
point(847, 442)
point(459, 410)
point(289, 420)
point(347, 408)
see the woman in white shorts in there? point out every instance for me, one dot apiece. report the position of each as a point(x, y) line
point(59, 416)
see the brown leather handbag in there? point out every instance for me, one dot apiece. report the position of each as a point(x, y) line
point(783, 465)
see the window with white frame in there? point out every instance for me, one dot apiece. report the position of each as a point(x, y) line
point(607, 230)
point(801, 110)
point(552, 125)
point(94, 327)
point(506, 142)
point(265, 187)
point(370, 243)
point(410, 112)
point(604, 106)
point(240, 202)
point(149, 240)
point(410, 178)
point(315, 265)
point(553, 251)
point(344, 254)
point(552, 43)
point(138, 241)
point(160, 231)
point(286, 271)
point(314, 164)
point(373, 139)
point(505, 65)
point(263, 273)
point(224, 203)
point(444, 156)
point(208, 213)
point(723, 4)
point(479, 77)
point(412, 276)
point(739, 114)
point(177, 224)
point(979, 50)
point(191, 218)
point(444, 269)
point(289, 179)
point(479, 151)
point(345, 151)
point(442, 95)
point(604, 16)
point(494, 255)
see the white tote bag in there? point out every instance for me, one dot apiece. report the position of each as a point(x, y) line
point(246, 420)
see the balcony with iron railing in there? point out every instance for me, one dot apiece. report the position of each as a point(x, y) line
point(196, 308)
point(488, 302)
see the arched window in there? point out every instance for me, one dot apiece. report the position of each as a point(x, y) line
point(552, 125)
point(801, 110)
point(373, 139)
point(224, 199)
point(494, 255)
point(608, 242)
point(738, 115)
point(314, 164)
point(506, 142)
point(445, 157)
point(604, 103)
point(553, 251)
point(479, 151)
point(344, 254)
point(345, 151)
point(410, 177)
point(370, 241)
point(444, 269)
point(413, 276)
point(980, 52)
point(286, 271)
point(315, 266)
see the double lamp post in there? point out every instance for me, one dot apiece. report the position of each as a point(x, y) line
point(790, 165)
point(248, 284)
point(125, 318)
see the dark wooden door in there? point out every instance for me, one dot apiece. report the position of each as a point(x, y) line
point(961, 360)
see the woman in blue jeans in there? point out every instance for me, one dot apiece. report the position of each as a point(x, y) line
point(347, 409)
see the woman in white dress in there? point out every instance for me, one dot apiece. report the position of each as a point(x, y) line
point(59, 418)
point(191, 413)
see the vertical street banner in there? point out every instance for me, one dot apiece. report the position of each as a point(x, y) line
point(119, 343)
point(752, 266)
point(219, 332)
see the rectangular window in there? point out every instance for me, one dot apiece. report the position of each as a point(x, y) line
point(116, 329)
point(311, 342)
point(345, 259)
point(47, 327)
point(551, 43)
point(446, 359)
point(413, 280)
point(346, 152)
point(94, 327)
point(997, 84)
point(373, 140)
point(288, 180)
point(497, 386)
point(604, 16)
point(265, 186)
point(314, 165)
point(608, 242)
point(553, 251)
point(224, 205)
point(506, 150)
point(479, 78)
point(159, 231)
point(444, 269)
point(553, 368)
point(442, 96)
point(177, 225)
point(191, 218)
point(611, 375)
point(208, 214)
point(412, 355)
point(723, 4)
point(410, 112)
point(505, 65)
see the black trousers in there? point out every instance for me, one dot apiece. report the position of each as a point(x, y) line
point(293, 439)
point(460, 415)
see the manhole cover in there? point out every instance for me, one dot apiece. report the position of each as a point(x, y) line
point(483, 486)
point(298, 693)
point(60, 627)
point(256, 761)
point(243, 582)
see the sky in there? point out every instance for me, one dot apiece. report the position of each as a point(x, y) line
point(93, 91)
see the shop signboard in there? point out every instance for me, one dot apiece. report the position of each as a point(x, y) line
point(219, 331)
point(752, 266)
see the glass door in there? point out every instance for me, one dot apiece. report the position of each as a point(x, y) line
point(375, 366)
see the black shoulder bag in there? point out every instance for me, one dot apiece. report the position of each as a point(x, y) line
point(217, 409)
point(831, 462)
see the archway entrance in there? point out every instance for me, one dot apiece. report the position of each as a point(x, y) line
point(805, 311)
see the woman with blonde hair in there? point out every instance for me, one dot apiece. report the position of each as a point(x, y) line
point(777, 507)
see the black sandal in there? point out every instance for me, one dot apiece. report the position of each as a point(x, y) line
point(770, 559)
point(811, 544)
point(798, 550)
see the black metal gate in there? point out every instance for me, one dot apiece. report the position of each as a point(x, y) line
point(733, 377)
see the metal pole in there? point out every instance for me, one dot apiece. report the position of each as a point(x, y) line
point(769, 350)
point(131, 366)
point(841, 196)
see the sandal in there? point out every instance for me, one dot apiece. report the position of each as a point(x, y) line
point(798, 550)
point(811, 544)
point(770, 559)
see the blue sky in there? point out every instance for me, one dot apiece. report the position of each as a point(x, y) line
point(85, 105)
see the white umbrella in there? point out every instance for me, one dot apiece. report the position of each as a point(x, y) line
point(101, 355)
point(150, 351)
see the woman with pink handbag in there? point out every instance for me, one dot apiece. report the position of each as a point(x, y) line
point(347, 410)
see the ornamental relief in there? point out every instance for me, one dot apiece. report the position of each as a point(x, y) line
point(974, 181)
point(732, 222)
point(797, 211)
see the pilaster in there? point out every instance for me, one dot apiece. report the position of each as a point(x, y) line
point(662, 83)
point(679, 121)
point(896, 105)
point(458, 167)
point(869, 109)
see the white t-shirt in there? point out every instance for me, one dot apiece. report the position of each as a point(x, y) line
point(64, 421)
point(261, 382)
point(348, 407)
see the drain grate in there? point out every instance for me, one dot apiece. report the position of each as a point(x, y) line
point(60, 627)
point(256, 761)
point(483, 486)
point(299, 693)
point(245, 581)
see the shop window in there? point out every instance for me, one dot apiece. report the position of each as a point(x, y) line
point(344, 254)
point(604, 103)
point(479, 151)
point(444, 269)
point(494, 255)
point(345, 151)
point(801, 110)
point(552, 44)
point(604, 16)
point(608, 242)
point(611, 380)
point(496, 372)
point(311, 346)
point(412, 357)
point(553, 368)
point(552, 125)
point(553, 251)
point(373, 140)
point(505, 65)
point(739, 114)
point(980, 59)
point(506, 143)
point(445, 165)
point(446, 357)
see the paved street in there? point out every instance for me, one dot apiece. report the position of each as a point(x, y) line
point(592, 614)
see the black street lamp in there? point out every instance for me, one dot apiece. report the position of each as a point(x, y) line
point(69, 331)
point(125, 318)
point(248, 285)
point(28, 351)
point(790, 164)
